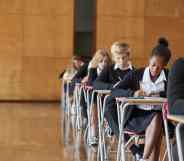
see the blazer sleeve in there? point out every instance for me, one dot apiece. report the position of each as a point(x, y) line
point(102, 81)
point(80, 74)
point(130, 83)
point(125, 88)
point(92, 75)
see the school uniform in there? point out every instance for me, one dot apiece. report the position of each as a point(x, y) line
point(176, 88)
point(141, 116)
point(110, 76)
point(81, 73)
point(175, 94)
point(107, 80)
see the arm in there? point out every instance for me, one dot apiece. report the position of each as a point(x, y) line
point(92, 75)
point(102, 81)
point(125, 88)
point(80, 74)
point(129, 86)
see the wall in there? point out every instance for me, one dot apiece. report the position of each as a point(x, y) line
point(140, 23)
point(36, 43)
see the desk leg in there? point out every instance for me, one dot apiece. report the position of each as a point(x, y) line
point(179, 142)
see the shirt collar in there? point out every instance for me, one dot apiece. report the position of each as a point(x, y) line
point(129, 67)
point(146, 76)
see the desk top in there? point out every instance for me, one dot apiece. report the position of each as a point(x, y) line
point(176, 118)
point(103, 91)
point(144, 100)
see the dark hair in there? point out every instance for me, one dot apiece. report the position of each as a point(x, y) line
point(162, 50)
point(83, 58)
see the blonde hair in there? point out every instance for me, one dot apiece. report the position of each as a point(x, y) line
point(101, 53)
point(120, 48)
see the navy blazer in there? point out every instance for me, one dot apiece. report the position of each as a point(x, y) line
point(130, 83)
point(108, 77)
point(176, 88)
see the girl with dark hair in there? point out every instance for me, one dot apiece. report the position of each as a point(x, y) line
point(148, 81)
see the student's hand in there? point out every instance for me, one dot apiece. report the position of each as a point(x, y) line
point(139, 92)
point(95, 61)
point(153, 94)
point(93, 64)
point(85, 79)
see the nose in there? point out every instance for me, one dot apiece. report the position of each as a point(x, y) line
point(121, 60)
point(156, 70)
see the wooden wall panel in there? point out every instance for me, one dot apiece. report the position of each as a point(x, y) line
point(36, 43)
point(120, 7)
point(121, 21)
point(140, 23)
point(165, 18)
point(11, 6)
point(170, 27)
point(35, 80)
point(11, 39)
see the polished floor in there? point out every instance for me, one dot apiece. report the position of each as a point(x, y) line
point(35, 132)
point(30, 132)
point(42, 132)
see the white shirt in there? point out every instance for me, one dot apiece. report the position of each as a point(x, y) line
point(149, 86)
point(128, 67)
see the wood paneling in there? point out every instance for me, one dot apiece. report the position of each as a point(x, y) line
point(140, 23)
point(120, 7)
point(36, 43)
point(40, 77)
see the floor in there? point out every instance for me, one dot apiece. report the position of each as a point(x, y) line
point(41, 132)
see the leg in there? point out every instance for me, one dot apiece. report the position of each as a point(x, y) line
point(111, 115)
point(94, 120)
point(153, 139)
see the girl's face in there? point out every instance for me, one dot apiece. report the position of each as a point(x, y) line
point(103, 62)
point(121, 60)
point(77, 64)
point(156, 64)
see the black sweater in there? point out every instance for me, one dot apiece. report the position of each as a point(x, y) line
point(130, 83)
point(108, 77)
point(82, 72)
point(176, 88)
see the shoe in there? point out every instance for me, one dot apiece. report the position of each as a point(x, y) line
point(93, 141)
point(84, 122)
point(143, 160)
point(137, 152)
point(73, 109)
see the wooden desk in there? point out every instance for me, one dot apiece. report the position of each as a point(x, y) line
point(180, 124)
point(176, 118)
point(145, 100)
point(103, 92)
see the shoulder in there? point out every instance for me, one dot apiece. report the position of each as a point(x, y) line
point(166, 71)
point(139, 71)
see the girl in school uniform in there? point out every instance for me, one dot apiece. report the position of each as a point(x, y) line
point(100, 60)
point(148, 81)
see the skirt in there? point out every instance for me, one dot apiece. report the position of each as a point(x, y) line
point(139, 120)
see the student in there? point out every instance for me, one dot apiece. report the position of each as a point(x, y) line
point(147, 119)
point(116, 72)
point(111, 76)
point(72, 68)
point(100, 60)
point(79, 76)
point(176, 88)
point(175, 95)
